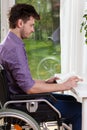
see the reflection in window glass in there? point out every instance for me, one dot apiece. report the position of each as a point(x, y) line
point(43, 47)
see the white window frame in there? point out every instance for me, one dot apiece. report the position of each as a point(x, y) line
point(71, 13)
point(5, 6)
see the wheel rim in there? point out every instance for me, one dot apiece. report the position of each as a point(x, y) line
point(16, 120)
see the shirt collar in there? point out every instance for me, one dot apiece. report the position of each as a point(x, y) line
point(15, 37)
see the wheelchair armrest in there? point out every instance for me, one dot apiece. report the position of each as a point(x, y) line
point(48, 96)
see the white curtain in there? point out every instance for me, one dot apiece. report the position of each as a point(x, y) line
point(85, 51)
point(71, 12)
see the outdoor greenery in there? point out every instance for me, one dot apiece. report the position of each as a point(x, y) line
point(84, 25)
point(37, 51)
point(44, 54)
point(49, 17)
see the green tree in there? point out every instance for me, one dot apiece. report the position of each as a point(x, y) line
point(48, 22)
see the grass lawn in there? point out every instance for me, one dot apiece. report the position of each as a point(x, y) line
point(42, 58)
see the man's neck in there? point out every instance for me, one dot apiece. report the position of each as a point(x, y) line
point(16, 32)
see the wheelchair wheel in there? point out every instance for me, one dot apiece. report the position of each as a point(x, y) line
point(11, 119)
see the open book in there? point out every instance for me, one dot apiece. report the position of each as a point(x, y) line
point(81, 86)
point(64, 77)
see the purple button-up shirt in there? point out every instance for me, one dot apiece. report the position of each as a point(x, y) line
point(13, 58)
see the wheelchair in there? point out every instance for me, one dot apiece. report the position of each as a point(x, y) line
point(40, 114)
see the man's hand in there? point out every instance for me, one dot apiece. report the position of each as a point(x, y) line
point(71, 82)
point(52, 80)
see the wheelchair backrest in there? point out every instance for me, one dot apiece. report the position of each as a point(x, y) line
point(4, 90)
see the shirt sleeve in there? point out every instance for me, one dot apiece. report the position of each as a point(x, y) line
point(18, 66)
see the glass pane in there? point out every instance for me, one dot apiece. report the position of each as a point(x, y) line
point(43, 47)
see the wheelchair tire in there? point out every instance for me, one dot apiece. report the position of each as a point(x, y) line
point(11, 119)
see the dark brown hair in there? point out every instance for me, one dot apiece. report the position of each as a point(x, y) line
point(21, 11)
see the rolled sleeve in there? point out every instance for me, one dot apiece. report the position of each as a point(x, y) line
point(17, 63)
point(15, 60)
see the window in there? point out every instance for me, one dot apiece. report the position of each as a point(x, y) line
point(43, 47)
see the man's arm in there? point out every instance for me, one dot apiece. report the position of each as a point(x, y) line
point(41, 86)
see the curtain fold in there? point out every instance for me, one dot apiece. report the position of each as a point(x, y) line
point(85, 51)
point(71, 12)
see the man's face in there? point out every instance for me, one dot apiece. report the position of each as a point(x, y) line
point(27, 28)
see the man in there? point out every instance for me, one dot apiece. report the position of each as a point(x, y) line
point(13, 58)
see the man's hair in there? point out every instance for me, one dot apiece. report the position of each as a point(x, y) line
point(21, 11)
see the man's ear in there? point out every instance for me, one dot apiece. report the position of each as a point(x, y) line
point(19, 23)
